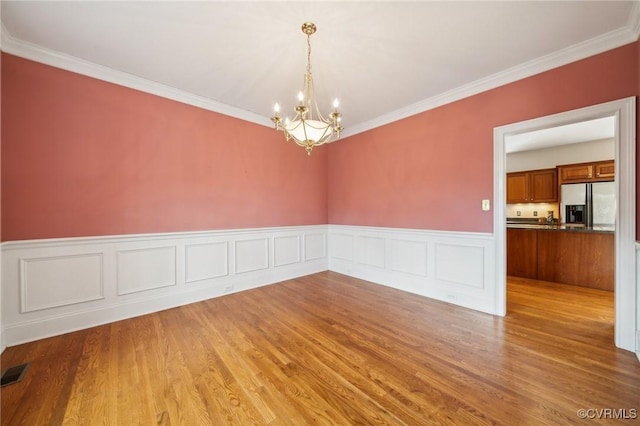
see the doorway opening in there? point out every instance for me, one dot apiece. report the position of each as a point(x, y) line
point(625, 287)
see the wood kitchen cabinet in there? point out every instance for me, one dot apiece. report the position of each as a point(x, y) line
point(605, 170)
point(600, 171)
point(517, 187)
point(579, 258)
point(535, 186)
point(584, 259)
point(522, 253)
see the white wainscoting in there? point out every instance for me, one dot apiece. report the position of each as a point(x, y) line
point(50, 287)
point(54, 286)
point(456, 267)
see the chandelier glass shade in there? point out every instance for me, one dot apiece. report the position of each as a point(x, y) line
point(309, 128)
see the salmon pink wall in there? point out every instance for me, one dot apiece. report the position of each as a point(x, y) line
point(431, 170)
point(83, 157)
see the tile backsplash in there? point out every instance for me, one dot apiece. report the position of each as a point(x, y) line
point(527, 210)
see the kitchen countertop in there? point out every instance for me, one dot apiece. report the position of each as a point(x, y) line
point(561, 227)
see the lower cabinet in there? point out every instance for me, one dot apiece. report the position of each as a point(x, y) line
point(579, 258)
point(522, 253)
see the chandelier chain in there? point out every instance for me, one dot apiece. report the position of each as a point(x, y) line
point(309, 53)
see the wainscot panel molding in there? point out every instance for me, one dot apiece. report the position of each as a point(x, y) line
point(58, 281)
point(146, 269)
point(55, 286)
point(315, 246)
point(252, 255)
point(286, 250)
point(455, 267)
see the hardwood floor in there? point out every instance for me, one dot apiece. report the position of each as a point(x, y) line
point(329, 349)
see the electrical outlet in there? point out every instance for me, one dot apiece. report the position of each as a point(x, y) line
point(228, 288)
point(535, 213)
point(486, 205)
point(518, 213)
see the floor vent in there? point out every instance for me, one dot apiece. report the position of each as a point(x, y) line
point(14, 374)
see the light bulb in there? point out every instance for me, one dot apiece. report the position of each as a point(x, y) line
point(276, 108)
point(336, 103)
point(300, 96)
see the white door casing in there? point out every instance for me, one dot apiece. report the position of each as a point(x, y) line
point(626, 286)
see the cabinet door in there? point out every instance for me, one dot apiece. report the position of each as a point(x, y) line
point(605, 170)
point(517, 188)
point(576, 173)
point(544, 186)
point(522, 253)
point(578, 258)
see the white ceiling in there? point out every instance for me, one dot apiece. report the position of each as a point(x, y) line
point(585, 131)
point(384, 60)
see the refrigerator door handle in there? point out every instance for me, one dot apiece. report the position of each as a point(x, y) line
point(589, 206)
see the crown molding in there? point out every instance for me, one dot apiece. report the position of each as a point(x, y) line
point(585, 49)
point(69, 63)
point(556, 59)
point(633, 22)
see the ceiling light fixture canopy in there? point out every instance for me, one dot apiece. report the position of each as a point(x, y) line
point(309, 128)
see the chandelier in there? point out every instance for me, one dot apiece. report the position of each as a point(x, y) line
point(309, 128)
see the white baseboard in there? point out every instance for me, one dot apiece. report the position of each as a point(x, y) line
point(51, 287)
point(455, 267)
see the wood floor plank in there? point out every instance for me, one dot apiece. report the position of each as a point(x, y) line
point(330, 349)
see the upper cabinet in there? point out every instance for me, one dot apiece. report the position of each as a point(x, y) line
point(605, 170)
point(536, 186)
point(518, 187)
point(600, 171)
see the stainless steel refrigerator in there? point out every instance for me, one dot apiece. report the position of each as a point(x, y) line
point(598, 199)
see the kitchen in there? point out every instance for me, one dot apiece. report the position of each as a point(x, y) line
point(561, 205)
